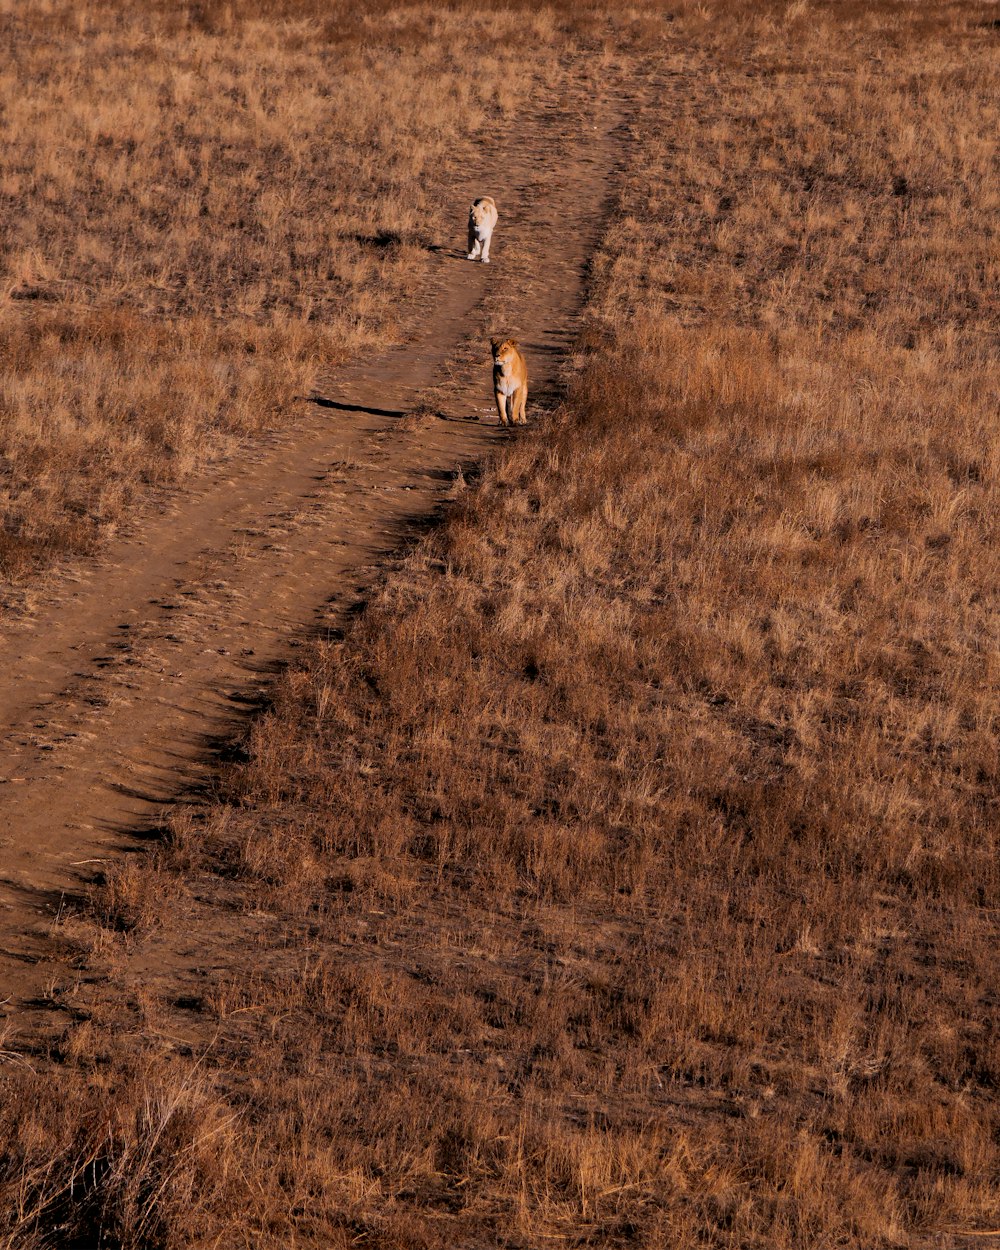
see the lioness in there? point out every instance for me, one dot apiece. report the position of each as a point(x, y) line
point(482, 222)
point(510, 381)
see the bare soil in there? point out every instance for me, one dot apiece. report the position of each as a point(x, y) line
point(122, 674)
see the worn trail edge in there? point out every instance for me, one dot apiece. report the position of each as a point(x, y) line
point(114, 687)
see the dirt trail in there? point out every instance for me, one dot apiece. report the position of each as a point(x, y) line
point(130, 665)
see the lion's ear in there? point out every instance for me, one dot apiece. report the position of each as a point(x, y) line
point(494, 343)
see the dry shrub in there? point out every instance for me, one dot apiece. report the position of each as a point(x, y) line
point(100, 1166)
point(130, 897)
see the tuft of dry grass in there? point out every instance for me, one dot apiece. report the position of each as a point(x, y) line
point(628, 875)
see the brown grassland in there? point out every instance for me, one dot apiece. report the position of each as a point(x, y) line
point(202, 208)
point(627, 874)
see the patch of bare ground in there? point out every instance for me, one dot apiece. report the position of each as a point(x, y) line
point(627, 874)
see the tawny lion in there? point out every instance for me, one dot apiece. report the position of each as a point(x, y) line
point(510, 381)
point(482, 222)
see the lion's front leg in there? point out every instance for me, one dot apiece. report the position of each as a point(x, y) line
point(501, 399)
point(486, 249)
point(521, 405)
point(473, 244)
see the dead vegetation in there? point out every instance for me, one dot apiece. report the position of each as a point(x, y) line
point(204, 208)
point(628, 874)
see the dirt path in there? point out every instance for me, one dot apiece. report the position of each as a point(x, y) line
point(130, 665)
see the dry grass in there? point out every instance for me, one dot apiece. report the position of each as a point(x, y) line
point(628, 875)
point(204, 208)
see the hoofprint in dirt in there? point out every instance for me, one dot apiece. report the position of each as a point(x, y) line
point(129, 667)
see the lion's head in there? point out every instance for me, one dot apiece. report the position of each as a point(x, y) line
point(503, 348)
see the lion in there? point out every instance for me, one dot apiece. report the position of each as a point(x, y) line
point(510, 381)
point(482, 223)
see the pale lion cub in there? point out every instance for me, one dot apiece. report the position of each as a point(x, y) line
point(510, 381)
point(482, 222)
